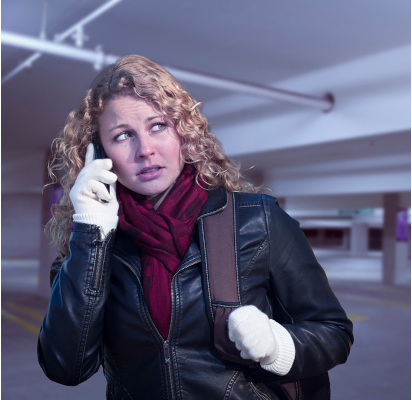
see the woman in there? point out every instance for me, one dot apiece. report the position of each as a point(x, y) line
point(127, 287)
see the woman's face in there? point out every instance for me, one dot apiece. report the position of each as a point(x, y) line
point(143, 145)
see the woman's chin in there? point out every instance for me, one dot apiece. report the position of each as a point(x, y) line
point(144, 190)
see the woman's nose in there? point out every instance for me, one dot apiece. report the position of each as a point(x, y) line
point(145, 148)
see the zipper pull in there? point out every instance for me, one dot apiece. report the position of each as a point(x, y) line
point(166, 351)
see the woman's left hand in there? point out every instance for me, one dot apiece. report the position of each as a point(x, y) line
point(250, 330)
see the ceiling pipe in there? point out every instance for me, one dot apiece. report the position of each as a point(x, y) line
point(322, 103)
point(76, 30)
point(89, 18)
point(23, 65)
point(99, 59)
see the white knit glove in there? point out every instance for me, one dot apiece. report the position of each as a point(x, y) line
point(261, 339)
point(88, 191)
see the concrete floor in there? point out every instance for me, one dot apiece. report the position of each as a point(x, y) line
point(378, 367)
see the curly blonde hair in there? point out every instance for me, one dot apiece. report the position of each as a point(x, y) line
point(136, 75)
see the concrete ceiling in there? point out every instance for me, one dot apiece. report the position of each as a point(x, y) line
point(259, 41)
point(394, 145)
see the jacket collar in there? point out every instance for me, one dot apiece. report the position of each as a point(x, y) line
point(216, 201)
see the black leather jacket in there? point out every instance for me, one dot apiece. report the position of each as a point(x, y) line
point(97, 315)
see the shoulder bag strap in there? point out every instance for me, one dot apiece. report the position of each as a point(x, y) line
point(221, 276)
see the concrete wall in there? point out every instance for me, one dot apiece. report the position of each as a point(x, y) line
point(21, 225)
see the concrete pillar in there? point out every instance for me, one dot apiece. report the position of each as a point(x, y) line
point(282, 202)
point(396, 265)
point(255, 175)
point(321, 238)
point(359, 239)
point(346, 239)
point(47, 251)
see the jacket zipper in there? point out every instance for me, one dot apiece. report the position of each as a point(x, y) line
point(166, 351)
point(166, 346)
point(100, 251)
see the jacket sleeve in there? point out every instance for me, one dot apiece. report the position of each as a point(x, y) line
point(70, 345)
point(303, 301)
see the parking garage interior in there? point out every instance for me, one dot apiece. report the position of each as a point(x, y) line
point(343, 172)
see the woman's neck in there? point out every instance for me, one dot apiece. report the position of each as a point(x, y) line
point(157, 199)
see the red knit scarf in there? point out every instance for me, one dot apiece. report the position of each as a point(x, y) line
point(163, 236)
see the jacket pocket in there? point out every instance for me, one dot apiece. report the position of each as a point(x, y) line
point(240, 388)
point(261, 392)
point(114, 390)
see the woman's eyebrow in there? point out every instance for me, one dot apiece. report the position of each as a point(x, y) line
point(119, 126)
point(156, 116)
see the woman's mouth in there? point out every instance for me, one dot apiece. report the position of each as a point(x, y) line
point(151, 172)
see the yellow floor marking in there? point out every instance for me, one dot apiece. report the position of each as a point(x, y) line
point(355, 317)
point(19, 321)
point(25, 311)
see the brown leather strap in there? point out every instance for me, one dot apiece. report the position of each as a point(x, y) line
point(220, 250)
point(222, 276)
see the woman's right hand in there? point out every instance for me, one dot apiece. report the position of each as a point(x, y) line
point(89, 191)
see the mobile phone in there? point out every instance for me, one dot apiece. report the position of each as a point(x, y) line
point(100, 153)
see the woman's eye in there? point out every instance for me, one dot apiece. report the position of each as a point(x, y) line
point(122, 136)
point(158, 127)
